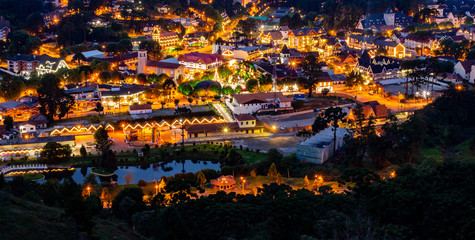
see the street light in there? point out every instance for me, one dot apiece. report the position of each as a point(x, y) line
point(156, 189)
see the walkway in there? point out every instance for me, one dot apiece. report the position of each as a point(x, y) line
point(223, 112)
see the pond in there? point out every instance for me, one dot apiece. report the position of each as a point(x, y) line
point(146, 172)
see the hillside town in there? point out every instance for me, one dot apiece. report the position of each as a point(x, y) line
point(181, 100)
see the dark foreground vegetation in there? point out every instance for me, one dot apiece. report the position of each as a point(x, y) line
point(429, 198)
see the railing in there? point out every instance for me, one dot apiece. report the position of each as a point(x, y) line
point(8, 169)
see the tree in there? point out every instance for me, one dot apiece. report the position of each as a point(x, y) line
point(54, 102)
point(251, 85)
point(306, 182)
point(101, 138)
point(363, 130)
point(21, 42)
point(83, 151)
point(176, 101)
point(99, 108)
point(311, 73)
point(332, 116)
point(279, 179)
point(142, 78)
point(274, 156)
point(12, 87)
point(146, 150)
point(272, 171)
point(153, 49)
point(354, 79)
point(54, 152)
point(200, 178)
point(78, 58)
point(105, 76)
point(128, 202)
point(468, 21)
point(8, 122)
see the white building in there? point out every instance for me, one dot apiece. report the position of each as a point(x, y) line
point(203, 61)
point(140, 109)
point(251, 103)
point(319, 148)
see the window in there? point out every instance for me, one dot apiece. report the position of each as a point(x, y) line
point(242, 123)
point(247, 123)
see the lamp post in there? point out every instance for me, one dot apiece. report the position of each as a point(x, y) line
point(156, 188)
point(182, 133)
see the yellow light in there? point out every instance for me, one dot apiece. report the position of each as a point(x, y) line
point(274, 127)
point(225, 130)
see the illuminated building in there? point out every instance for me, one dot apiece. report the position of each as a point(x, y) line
point(165, 39)
point(5, 28)
point(25, 64)
point(303, 38)
point(223, 183)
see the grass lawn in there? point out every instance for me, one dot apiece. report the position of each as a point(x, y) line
point(33, 177)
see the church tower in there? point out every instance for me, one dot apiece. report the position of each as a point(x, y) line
point(142, 61)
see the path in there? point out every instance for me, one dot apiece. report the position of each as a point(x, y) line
point(223, 112)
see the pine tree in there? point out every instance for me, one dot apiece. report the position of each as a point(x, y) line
point(83, 151)
point(279, 179)
point(272, 171)
point(253, 173)
point(306, 182)
point(200, 178)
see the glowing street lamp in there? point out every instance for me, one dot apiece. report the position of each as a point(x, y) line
point(156, 189)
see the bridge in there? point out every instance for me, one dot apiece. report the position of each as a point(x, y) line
point(28, 167)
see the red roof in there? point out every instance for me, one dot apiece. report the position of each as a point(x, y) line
point(260, 97)
point(200, 57)
point(140, 107)
point(167, 65)
point(245, 117)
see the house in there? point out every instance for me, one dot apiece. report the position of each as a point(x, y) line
point(253, 102)
point(30, 127)
point(245, 125)
point(163, 8)
point(84, 93)
point(19, 111)
point(319, 148)
point(203, 61)
point(419, 43)
point(25, 64)
point(5, 28)
point(246, 120)
point(379, 67)
point(247, 53)
point(389, 18)
point(370, 109)
point(328, 46)
point(140, 109)
point(303, 39)
point(221, 46)
point(466, 70)
point(165, 39)
point(274, 36)
point(114, 96)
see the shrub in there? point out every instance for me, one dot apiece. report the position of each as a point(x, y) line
point(240, 147)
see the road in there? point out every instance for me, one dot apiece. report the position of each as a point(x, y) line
point(394, 106)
